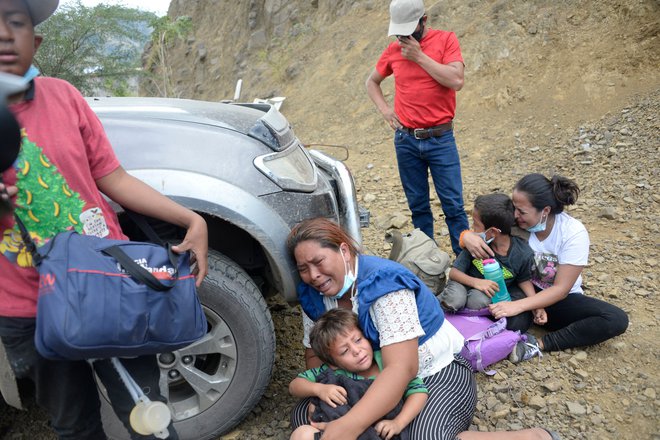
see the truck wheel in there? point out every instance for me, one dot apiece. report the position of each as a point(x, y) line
point(212, 384)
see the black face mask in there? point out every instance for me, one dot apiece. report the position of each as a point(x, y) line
point(417, 35)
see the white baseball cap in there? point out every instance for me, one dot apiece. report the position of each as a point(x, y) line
point(404, 16)
point(40, 10)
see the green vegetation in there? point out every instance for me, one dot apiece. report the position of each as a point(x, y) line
point(166, 32)
point(96, 49)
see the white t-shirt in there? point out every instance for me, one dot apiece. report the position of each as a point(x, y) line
point(396, 319)
point(568, 243)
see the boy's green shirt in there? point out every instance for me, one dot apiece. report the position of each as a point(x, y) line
point(414, 386)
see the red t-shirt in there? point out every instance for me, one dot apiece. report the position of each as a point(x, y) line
point(419, 100)
point(64, 150)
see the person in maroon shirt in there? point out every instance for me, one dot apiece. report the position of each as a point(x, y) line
point(65, 166)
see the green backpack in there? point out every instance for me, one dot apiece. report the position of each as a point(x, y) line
point(421, 255)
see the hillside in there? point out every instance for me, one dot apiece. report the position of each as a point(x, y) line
point(556, 62)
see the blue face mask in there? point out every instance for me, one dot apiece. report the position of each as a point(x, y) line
point(31, 73)
point(349, 280)
point(540, 226)
point(483, 237)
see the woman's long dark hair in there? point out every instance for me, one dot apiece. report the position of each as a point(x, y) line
point(556, 192)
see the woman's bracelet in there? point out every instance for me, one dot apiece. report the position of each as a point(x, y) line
point(460, 238)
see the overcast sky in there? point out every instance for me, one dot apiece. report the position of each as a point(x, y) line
point(159, 7)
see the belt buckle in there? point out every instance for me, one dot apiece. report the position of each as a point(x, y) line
point(420, 131)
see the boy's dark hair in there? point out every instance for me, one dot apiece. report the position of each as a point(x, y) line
point(327, 328)
point(496, 211)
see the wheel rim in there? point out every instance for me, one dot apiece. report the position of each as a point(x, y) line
point(195, 377)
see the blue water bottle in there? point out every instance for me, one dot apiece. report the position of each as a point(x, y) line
point(493, 272)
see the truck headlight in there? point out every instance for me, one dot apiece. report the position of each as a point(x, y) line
point(292, 169)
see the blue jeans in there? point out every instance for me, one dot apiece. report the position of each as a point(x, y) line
point(580, 320)
point(415, 158)
point(67, 389)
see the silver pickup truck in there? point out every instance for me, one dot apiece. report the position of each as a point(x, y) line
point(243, 169)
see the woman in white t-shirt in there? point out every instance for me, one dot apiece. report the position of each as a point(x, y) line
point(561, 246)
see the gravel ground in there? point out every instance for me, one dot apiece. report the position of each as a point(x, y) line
point(606, 392)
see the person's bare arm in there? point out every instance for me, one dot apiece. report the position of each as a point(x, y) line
point(333, 395)
point(564, 280)
point(375, 93)
point(311, 359)
point(476, 246)
point(400, 363)
point(528, 288)
point(137, 196)
point(450, 75)
point(540, 316)
point(412, 406)
point(300, 388)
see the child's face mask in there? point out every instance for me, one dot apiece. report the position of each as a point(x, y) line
point(484, 234)
point(31, 73)
point(483, 237)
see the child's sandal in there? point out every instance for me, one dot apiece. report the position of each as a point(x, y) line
point(553, 434)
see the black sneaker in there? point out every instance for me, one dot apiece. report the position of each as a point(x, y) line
point(525, 350)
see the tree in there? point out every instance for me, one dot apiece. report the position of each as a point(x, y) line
point(165, 33)
point(94, 48)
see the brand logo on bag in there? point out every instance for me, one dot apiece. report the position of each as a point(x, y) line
point(46, 283)
point(161, 273)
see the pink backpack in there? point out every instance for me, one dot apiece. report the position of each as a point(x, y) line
point(486, 341)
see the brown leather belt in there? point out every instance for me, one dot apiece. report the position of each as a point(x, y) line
point(425, 133)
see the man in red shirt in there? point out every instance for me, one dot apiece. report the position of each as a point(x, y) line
point(428, 69)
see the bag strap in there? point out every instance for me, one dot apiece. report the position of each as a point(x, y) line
point(396, 238)
point(138, 219)
point(144, 225)
point(140, 273)
point(492, 330)
point(30, 246)
point(135, 270)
